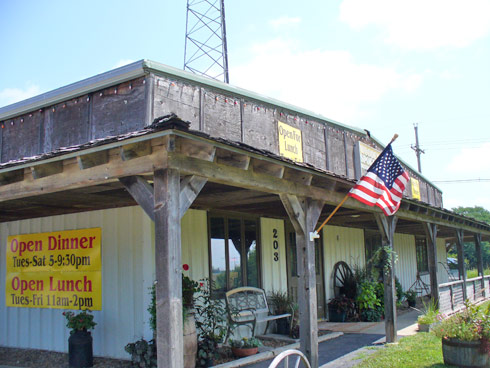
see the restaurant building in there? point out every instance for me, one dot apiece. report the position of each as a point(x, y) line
point(114, 182)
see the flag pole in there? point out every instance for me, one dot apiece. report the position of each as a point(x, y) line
point(315, 234)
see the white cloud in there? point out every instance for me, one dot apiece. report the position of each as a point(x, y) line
point(284, 21)
point(328, 82)
point(421, 24)
point(11, 95)
point(122, 62)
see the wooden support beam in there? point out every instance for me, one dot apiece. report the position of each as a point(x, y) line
point(133, 150)
point(386, 225)
point(190, 187)
point(461, 264)
point(431, 235)
point(479, 261)
point(43, 170)
point(168, 268)
point(268, 168)
point(304, 214)
point(142, 192)
point(297, 177)
point(93, 159)
point(231, 158)
point(10, 177)
point(200, 150)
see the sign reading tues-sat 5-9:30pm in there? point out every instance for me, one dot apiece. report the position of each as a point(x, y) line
point(60, 269)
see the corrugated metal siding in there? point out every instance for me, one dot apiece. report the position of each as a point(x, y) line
point(406, 266)
point(126, 250)
point(341, 244)
point(274, 274)
point(442, 271)
point(195, 244)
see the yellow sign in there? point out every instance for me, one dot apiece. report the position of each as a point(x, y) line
point(415, 188)
point(290, 142)
point(367, 155)
point(55, 270)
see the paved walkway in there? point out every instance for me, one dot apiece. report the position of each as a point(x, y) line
point(342, 351)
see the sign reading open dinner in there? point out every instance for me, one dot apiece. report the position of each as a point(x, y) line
point(60, 269)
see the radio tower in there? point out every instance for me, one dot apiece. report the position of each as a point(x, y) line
point(205, 39)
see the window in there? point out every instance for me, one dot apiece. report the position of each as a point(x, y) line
point(233, 247)
point(421, 254)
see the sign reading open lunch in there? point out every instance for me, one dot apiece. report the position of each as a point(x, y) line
point(61, 270)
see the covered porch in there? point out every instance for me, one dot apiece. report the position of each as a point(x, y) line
point(168, 169)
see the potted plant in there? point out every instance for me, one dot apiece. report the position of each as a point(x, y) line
point(338, 308)
point(430, 317)
point(368, 302)
point(211, 324)
point(411, 296)
point(244, 347)
point(466, 337)
point(80, 352)
point(282, 303)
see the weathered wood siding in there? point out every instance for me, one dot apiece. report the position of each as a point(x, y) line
point(111, 111)
point(131, 105)
point(274, 273)
point(341, 244)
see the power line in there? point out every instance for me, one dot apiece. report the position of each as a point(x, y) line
point(461, 181)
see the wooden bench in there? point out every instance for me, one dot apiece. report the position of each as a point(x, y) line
point(247, 306)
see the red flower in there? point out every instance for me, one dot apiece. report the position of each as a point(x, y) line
point(185, 267)
point(201, 284)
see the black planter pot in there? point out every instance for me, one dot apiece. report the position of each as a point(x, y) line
point(80, 353)
point(282, 326)
point(334, 316)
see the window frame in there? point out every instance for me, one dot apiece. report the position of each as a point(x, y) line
point(421, 243)
point(243, 257)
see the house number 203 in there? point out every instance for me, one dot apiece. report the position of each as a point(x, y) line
point(275, 244)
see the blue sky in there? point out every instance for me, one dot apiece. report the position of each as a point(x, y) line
point(380, 65)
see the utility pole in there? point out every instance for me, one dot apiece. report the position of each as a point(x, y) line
point(206, 50)
point(417, 148)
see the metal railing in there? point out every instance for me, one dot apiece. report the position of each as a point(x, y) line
point(453, 294)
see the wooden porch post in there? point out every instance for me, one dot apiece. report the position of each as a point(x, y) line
point(461, 265)
point(168, 267)
point(304, 214)
point(431, 233)
point(386, 225)
point(479, 261)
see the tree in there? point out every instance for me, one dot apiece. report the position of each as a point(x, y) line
point(479, 214)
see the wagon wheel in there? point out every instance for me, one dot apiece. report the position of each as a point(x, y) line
point(342, 279)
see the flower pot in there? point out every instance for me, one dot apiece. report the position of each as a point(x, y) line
point(190, 341)
point(244, 352)
point(336, 316)
point(282, 326)
point(80, 350)
point(463, 353)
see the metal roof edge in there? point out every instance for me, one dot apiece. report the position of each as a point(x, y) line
point(159, 68)
point(102, 80)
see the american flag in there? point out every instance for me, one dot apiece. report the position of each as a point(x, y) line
point(383, 184)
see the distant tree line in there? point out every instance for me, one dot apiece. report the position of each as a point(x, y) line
point(480, 214)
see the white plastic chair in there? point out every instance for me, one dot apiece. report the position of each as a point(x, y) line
point(286, 355)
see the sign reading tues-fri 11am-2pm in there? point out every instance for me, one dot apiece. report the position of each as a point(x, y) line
point(60, 269)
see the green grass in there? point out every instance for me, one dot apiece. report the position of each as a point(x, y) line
point(420, 350)
point(474, 273)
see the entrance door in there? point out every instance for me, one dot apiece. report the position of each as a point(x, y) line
point(293, 270)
